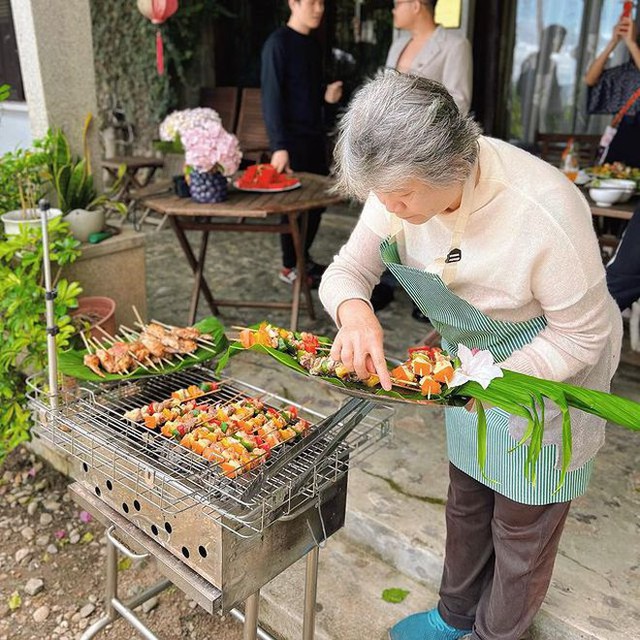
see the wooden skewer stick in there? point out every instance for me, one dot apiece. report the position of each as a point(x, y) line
point(135, 311)
point(86, 342)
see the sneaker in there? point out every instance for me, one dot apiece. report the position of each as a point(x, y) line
point(427, 625)
point(288, 276)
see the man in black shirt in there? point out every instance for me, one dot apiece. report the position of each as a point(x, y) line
point(292, 100)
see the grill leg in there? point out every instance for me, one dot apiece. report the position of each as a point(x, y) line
point(113, 607)
point(111, 592)
point(310, 594)
point(251, 606)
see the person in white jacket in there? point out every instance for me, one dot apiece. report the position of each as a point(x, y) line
point(431, 51)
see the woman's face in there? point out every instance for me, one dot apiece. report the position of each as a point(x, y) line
point(417, 202)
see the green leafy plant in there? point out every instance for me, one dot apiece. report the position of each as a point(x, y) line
point(5, 91)
point(24, 177)
point(72, 178)
point(22, 319)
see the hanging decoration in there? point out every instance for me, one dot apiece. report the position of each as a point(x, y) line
point(158, 11)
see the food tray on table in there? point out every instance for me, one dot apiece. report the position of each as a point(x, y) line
point(308, 355)
point(264, 178)
point(206, 342)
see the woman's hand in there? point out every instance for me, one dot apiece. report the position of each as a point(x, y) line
point(358, 344)
point(626, 30)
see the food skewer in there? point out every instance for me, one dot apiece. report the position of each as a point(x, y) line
point(105, 349)
point(111, 341)
point(131, 332)
point(172, 327)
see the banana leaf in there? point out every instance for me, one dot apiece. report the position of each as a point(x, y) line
point(70, 362)
point(356, 388)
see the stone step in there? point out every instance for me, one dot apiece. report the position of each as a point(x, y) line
point(349, 603)
point(396, 509)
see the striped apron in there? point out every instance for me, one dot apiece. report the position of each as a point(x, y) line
point(460, 323)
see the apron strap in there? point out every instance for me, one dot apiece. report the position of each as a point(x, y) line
point(451, 260)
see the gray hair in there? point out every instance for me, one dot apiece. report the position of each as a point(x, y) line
point(399, 127)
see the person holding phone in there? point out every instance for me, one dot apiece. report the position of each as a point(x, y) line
point(616, 91)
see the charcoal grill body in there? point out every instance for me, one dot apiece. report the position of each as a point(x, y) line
point(230, 538)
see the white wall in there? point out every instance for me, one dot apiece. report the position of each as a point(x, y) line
point(15, 130)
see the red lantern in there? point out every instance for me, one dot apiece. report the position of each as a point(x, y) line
point(158, 11)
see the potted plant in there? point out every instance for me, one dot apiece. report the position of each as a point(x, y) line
point(22, 319)
point(23, 181)
point(73, 183)
point(211, 153)
point(94, 316)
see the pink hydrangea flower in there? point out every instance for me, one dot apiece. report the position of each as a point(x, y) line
point(208, 147)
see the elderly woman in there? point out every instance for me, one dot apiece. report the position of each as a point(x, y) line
point(496, 248)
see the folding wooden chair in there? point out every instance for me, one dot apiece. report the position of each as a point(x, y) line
point(251, 130)
point(224, 100)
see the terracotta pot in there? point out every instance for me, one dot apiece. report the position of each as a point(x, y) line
point(98, 311)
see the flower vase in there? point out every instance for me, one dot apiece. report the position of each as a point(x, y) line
point(208, 186)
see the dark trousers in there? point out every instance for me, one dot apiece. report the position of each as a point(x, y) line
point(286, 241)
point(623, 270)
point(307, 154)
point(499, 559)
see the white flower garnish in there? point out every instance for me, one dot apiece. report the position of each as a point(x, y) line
point(477, 366)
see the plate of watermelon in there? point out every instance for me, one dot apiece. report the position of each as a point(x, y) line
point(263, 178)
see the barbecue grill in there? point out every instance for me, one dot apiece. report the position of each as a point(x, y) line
point(217, 538)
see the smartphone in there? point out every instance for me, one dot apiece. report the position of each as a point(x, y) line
point(627, 8)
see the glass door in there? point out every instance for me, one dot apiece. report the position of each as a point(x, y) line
point(555, 43)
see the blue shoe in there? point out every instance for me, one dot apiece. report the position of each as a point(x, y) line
point(427, 625)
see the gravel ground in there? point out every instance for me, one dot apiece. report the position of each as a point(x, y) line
point(52, 568)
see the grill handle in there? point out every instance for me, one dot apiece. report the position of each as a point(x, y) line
point(321, 428)
point(364, 407)
point(120, 547)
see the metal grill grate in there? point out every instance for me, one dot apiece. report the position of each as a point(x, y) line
point(89, 426)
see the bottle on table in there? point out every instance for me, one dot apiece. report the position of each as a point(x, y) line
point(569, 164)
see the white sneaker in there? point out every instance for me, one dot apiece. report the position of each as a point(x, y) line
point(288, 276)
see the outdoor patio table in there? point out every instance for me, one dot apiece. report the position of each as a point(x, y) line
point(253, 213)
point(622, 211)
point(139, 171)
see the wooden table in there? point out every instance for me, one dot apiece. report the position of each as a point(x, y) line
point(137, 174)
point(253, 213)
point(622, 211)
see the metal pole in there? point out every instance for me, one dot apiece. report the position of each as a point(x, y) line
point(262, 634)
point(310, 594)
point(49, 295)
point(251, 605)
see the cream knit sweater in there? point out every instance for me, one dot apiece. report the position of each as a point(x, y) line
point(529, 249)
